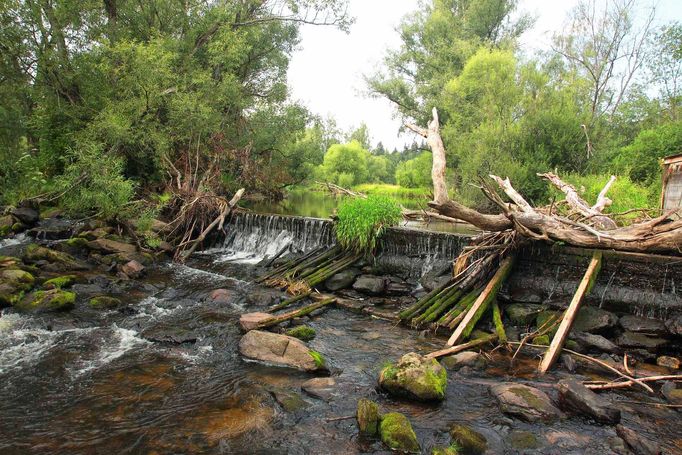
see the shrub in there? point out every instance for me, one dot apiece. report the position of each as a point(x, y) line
point(362, 221)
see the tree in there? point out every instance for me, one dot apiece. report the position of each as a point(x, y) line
point(665, 66)
point(415, 173)
point(346, 164)
point(361, 134)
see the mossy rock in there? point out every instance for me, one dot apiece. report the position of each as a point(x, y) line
point(452, 450)
point(35, 253)
point(545, 316)
point(302, 332)
point(470, 441)
point(523, 440)
point(9, 261)
point(542, 340)
point(52, 300)
point(18, 227)
point(368, 417)
point(60, 282)
point(416, 377)
point(77, 243)
point(17, 278)
point(397, 433)
point(104, 301)
point(9, 295)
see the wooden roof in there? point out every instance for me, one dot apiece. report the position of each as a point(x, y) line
point(672, 159)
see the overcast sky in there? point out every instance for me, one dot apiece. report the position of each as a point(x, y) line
point(326, 73)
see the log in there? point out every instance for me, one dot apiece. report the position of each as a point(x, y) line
point(482, 301)
point(584, 288)
point(461, 347)
point(294, 314)
point(288, 302)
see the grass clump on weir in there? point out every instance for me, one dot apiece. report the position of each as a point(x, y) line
point(362, 221)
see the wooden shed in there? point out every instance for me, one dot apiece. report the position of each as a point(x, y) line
point(671, 195)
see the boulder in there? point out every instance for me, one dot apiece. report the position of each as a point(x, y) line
point(322, 388)
point(133, 269)
point(527, 403)
point(574, 396)
point(470, 441)
point(60, 282)
point(592, 319)
point(598, 342)
point(638, 443)
point(221, 296)
point(250, 321)
point(674, 325)
point(367, 416)
point(643, 325)
point(109, 246)
point(639, 340)
point(464, 359)
point(280, 350)
point(341, 280)
point(522, 313)
point(397, 433)
point(52, 300)
point(370, 284)
point(26, 215)
point(415, 376)
point(61, 261)
point(668, 362)
point(16, 278)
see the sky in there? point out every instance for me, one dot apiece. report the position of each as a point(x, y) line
point(327, 71)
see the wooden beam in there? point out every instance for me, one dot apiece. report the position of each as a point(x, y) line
point(483, 300)
point(565, 327)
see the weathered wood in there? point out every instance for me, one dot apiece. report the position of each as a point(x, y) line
point(461, 347)
point(584, 288)
point(294, 314)
point(483, 300)
point(432, 135)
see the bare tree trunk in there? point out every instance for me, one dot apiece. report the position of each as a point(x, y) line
point(432, 135)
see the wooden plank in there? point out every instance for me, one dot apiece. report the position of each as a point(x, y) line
point(489, 293)
point(565, 327)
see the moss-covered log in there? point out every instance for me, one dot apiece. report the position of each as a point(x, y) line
point(303, 311)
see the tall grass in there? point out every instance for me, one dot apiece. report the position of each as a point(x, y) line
point(361, 222)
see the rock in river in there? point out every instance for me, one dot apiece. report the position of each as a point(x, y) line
point(341, 280)
point(527, 403)
point(51, 300)
point(280, 350)
point(322, 388)
point(368, 417)
point(370, 284)
point(415, 376)
point(591, 319)
point(575, 396)
point(471, 441)
point(639, 340)
point(638, 443)
point(397, 433)
point(643, 325)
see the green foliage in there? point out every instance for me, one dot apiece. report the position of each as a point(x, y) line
point(415, 173)
point(393, 191)
point(318, 359)
point(93, 182)
point(346, 164)
point(361, 222)
point(624, 193)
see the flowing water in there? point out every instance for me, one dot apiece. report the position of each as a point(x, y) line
point(163, 375)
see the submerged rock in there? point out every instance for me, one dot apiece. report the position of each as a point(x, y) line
point(322, 388)
point(639, 340)
point(51, 300)
point(672, 393)
point(221, 296)
point(370, 284)
point(573, 395)
point(643, 325)
point(452, 450)
point(290, 401)
point(523, 440)
point(367, 416)
point(397, 433)
point(527, 403)
point(470, 441)
point(415, 376)
point(280, 350)
point(638, 443)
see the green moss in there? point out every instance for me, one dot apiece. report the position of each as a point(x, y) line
point(104, 301)
point(470, 441)
point(5, 230)
point(522, 440)
point(302, 332)
point(18, 227)
point(548, 317)
point(59, 282)
point(368, 417)
point(317, 357)
point(397, 433)
point(77, 242)
point(389, 371)
point(541, 340)
point(415, 377)
point(452, 450)
point(572, 345)
point(17, 278)
point(54, 299)
point(528, 397)
point(36, 253)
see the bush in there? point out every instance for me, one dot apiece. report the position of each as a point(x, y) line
point(362, 221)
point(415, 173)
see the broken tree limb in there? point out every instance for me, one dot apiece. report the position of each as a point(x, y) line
point(461, 347)
point(584, 288)
point(433, 138)
point(579, 204)
point(602, 385)
point(482, 302)
point(294, 314)
point(602, 200)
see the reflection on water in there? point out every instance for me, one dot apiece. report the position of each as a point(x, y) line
point(90, 382)
point(322, 204)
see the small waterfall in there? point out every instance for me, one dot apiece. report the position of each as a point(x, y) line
point(252, 236)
